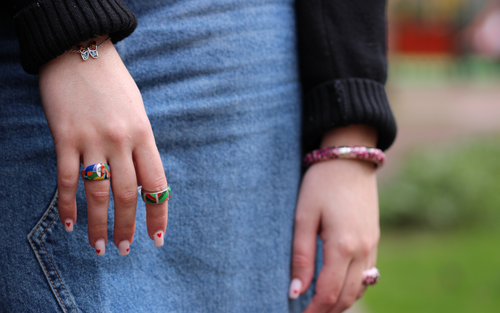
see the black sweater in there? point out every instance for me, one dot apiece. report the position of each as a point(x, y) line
point(342, 54)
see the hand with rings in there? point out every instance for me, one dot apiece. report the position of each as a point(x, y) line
point(337, 201)
point(96, 115)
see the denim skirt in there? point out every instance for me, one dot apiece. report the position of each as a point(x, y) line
point(220, 85)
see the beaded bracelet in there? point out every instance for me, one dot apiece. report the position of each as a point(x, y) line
point(345, 152)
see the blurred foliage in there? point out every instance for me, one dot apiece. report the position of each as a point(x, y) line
point(445, 188)
point(443, 70)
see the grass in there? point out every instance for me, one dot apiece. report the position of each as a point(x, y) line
point(429, 272)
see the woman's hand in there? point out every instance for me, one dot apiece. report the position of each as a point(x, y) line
point(96, 115)
point(337, 201)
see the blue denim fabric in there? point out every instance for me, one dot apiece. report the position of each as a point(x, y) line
point(219, 81)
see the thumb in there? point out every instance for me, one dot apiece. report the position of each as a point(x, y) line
point(304, 250)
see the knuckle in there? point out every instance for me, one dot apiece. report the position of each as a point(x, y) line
point(67, 182)
point(368, 243)
point(300, 260)
point(158, 183)
point(100, 228)
point(328, 299)
point(346, 246)
point(143, 130)
point(67, 209)
point(126, 197)
point(302, 216)
point(365, 246)
point(126, 228)
point(118, 134)
point(99, 196)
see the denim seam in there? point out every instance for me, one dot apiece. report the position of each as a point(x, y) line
point(37, 254)
point(33, 246)
point(54, 288)
point(40, 237)
point(47, 253)
point(57, 274)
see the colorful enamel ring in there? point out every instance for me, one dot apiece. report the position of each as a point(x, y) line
point(97, 171)
point(155, 197)
point(371, 276)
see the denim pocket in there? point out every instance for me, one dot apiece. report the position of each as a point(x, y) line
point(42, 240)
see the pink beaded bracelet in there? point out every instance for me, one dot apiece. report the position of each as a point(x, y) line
point(355, 152)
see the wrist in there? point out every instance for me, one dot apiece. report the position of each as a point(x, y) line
point(371, 155)
point(72, 61)
point(352, 135)
point(355, 142)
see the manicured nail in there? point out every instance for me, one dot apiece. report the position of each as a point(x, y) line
point(100, 247)
point(295, 287)
point(158, 239)
point(124, 247)
point(68, 225)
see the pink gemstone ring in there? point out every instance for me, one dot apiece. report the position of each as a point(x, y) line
point(371, 276)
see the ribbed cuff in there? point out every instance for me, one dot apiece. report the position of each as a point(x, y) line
point(47, 28)
point(342, 102)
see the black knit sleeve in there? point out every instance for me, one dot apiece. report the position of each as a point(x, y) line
point(343, 65)
point(47, 28)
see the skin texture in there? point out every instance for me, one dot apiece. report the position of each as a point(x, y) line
point(337, 201)
point(96, 114)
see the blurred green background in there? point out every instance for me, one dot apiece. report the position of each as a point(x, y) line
point(440, 188)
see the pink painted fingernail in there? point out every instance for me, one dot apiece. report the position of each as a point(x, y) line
point(68, 225)
point(100, 247)
point(295, 288)
point(158, 239)
point(124, 247)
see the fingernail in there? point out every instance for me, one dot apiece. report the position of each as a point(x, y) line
point(100, 247)
point(158, 239)
point(68, 225)
point(124, 247)
point(295, 288)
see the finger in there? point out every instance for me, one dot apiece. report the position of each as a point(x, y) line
point(152, 176)
point(97, 193)
point(139, 183)
point(124, 186)
point(337, 256)
point(372, 260)
point(68, 165)
point(304, 249)
point(361, 292)
point(351, 288)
